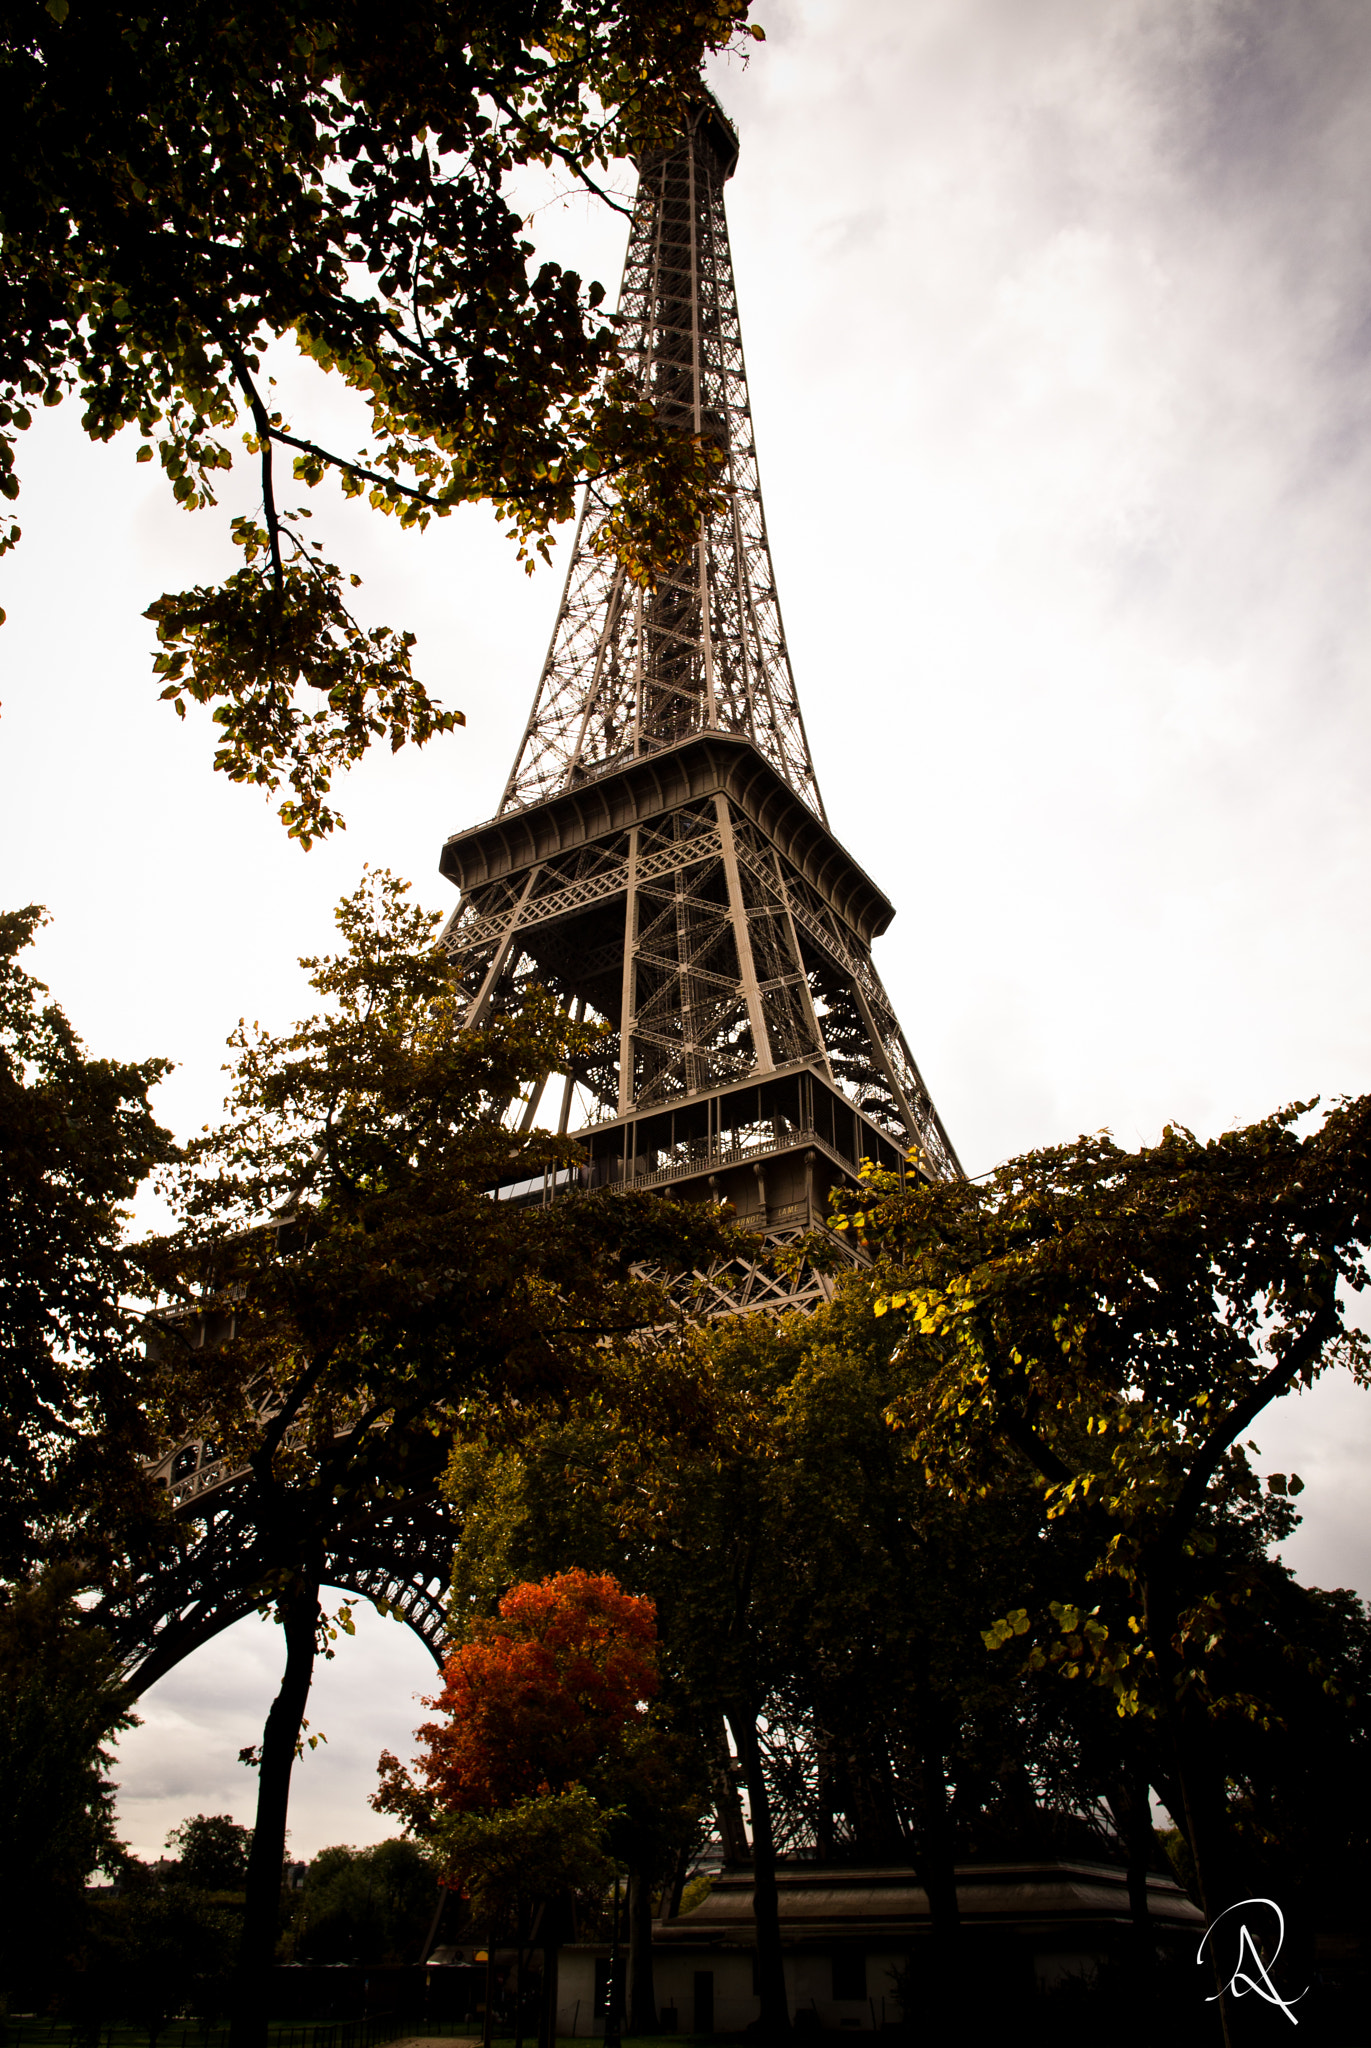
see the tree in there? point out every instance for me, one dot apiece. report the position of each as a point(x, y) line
point(655, 1473)
point(541, 1694)
point(167, 1951)
point(519, 1868)
point(212, 1852)
point(814, 1593)
point(149, 1949)
point(546, 1707)
point(187, 188)
point(60, 1703)
point(1113, 1323)
point(77, 1138)
point(341, 1244)
point(364, 1905)
point(1294, 1663)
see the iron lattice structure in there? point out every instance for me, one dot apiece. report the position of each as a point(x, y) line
point(402, 1562)
point(224, 1549)
point(662, 860)
point(629, 673)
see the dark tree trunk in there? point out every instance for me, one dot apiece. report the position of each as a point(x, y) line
point(547, 2029)
point(824, 1803)
point(558, 1926)
point(938, 1858)
point(673, 1889)
point(936, 1866)
point(1203, 1818)
point(1130, 1802)
point(299, 1613)
point(488, 2014)
point(775, 2014)
point(642, 1994)
point(727, 1804)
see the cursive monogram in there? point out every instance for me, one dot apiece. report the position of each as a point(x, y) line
point(1240, 1983)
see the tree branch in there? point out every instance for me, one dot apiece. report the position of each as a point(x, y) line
point(555, 149)
point(1281, 1376)
point(1017, 1427)
point(412, 491)
point(265, 435)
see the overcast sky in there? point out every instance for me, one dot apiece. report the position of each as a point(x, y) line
point(1057, 321)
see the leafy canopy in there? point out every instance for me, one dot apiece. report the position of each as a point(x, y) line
point(77, 1138)
point(545, 1723)
point(537, 1697)
point(1114, 1322)
point(60, 1703)
point(187, 185)
point(510, 1859)
point(370, 1905)
point(211, 1851)
point(341, 1245)
point(805, 1572)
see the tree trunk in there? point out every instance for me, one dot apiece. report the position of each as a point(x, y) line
point(775, 2015)
point(1130, 1802)
point(1203, 1817)
point(824, 1802)
point(299, 1613)
point(519, 1995)
point(939, 1872)
point(673, 1888)
point(727, 1804)
point(488, 2015)
point(936, 1867)
point(642, 1994)
point(1204, 1820)
point(547, 2031)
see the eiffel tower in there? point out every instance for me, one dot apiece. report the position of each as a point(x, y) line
point(661, 858)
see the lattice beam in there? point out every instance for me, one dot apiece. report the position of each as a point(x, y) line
point(662, 862)
point(629, 672)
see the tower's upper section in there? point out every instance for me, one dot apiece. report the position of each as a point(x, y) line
point(631, 671)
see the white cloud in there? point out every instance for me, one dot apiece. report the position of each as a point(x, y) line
point(184, 1757)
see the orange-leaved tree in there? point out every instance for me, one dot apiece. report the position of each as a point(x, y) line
point(545, 1726)
point(542, 1695)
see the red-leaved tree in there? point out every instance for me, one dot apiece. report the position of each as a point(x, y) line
point(543, 1707)
point(541, 1694)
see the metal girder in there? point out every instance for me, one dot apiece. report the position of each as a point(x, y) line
point(402, 1561)
point(661, 860)
point(629, 671)
point(710, 957)
point(731, 961)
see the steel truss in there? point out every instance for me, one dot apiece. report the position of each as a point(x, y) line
point(629, 671)
point(662, 861)
point(400, 1562)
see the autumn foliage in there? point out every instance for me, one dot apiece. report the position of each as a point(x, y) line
point(535, 1699)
